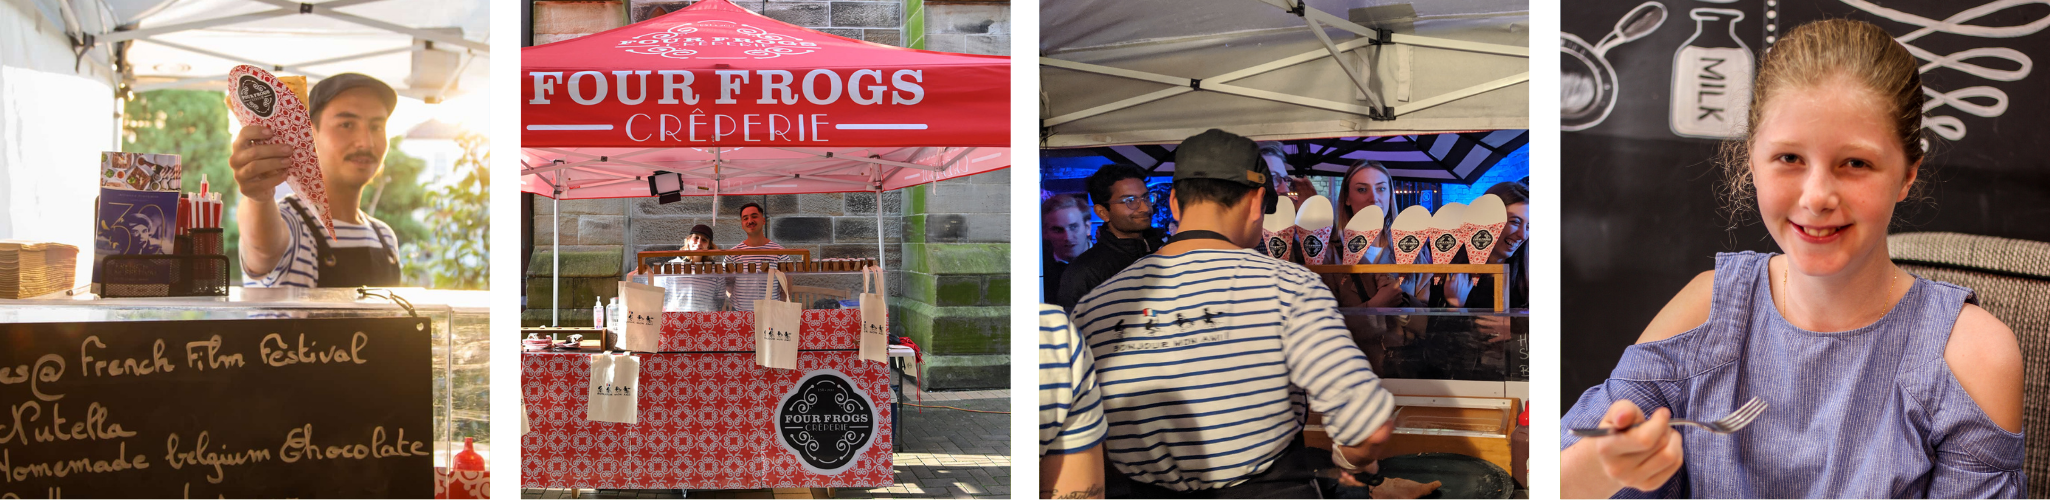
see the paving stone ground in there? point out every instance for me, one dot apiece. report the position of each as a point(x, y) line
point(946, 454)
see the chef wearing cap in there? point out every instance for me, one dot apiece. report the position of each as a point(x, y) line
point(1208, 352)
point(283, 243)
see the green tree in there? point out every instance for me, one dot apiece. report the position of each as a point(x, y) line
point(457, 248)
point(192, 124)
point(397, 196)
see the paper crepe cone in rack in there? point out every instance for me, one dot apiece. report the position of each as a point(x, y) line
point(1313, 230)
point(1277, 230)
point(1362, 233)
point(1482, 226)
point(258, 98)
point(1444, 245)
point(1407, 233)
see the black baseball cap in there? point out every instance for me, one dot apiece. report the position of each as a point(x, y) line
point(702, 230)
point(1220, 155)
point(333, 86)
point(1225, 156)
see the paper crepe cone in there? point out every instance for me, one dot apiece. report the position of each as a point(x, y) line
point(1445, 244)
point(1277, 230)
point(1482, 227)
point(258, 98)
point(1278, 243)
point(1316, 245)
point(1360, 234)
point(1313, 230)
point(1408, 233)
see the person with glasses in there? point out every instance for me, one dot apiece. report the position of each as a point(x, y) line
point(1118, 192)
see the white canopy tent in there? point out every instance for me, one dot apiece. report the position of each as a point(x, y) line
point(1158, 71)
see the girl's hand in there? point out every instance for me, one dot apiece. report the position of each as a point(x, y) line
point(1643, 457)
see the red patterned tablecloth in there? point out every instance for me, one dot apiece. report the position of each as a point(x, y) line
point(706, 417)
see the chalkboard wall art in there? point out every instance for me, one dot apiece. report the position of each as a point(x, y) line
point(296, 408)
point(1643, 109)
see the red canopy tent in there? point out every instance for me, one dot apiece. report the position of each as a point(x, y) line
point(738, 103)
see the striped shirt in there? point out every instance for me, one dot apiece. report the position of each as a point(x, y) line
point(297, 268)
point(1208, 362)
point(1069, 419)
point(748, 290)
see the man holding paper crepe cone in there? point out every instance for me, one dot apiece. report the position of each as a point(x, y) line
point(1208, 305)
point(282, 241)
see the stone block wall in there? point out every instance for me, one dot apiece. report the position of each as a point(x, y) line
point(957, 279)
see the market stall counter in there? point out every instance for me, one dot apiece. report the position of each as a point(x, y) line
point(267, 393)
point(703, 413)
point(1461, 377)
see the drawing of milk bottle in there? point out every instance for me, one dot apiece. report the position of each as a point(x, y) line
point(1712, 78)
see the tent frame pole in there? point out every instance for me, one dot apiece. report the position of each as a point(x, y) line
point(555, 289)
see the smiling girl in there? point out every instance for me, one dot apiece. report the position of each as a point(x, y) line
point(1881, 384)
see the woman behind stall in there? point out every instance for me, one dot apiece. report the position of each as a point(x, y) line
point(1880, 384)
point(1472, 347)
point(1385, 338)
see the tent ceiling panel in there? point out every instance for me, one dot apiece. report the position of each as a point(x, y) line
point(180, 45)
point(1214, 40)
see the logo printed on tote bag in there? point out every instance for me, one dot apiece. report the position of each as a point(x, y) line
point(826, 422)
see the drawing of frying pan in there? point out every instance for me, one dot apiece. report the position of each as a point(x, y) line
point(1587, 82)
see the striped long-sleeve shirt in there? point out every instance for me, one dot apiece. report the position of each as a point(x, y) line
point(1069, 418)
point(1206, 360)
point(748, 290)
point(296, 267)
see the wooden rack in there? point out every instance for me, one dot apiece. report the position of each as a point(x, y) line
point(641, 259)
point(1499, 271)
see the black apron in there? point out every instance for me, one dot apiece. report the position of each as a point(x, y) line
point(350, 267)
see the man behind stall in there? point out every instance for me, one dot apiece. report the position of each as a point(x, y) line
point(283, 243)
point(1203, 348)
point(745, 291)
point(1118, 192)
point(1064, 229)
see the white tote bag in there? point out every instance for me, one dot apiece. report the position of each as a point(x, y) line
point(875, 316)
point(643, 305)
point(776, 325)
point(614, 388)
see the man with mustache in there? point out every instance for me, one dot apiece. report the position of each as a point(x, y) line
point(283, 243)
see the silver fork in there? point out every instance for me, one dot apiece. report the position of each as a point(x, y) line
point(1733, 422)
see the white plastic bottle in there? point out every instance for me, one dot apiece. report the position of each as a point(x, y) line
point(597, 312)
point(614, 321)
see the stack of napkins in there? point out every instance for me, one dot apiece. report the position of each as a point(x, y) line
point(33, 268)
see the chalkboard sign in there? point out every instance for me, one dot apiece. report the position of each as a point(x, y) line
point(1648, 88)
point(246, 408)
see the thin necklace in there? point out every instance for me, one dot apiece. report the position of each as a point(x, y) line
point(1784, 291)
